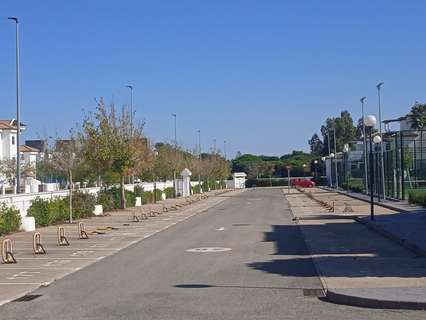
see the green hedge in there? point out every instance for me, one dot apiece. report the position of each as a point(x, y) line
point(196, 189)
point(417, 197)
point(354, 185)
point(10, 220)
point(47, 212)
point(266, 182)
point(170, 192)
point(83, 204)
point(110, 198)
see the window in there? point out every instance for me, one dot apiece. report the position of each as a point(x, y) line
point(13, 140)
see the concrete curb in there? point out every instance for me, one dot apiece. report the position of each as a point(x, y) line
point(402, 242)
point(308, 247)
point(357, 301)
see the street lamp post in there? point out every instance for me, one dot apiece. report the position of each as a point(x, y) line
point(174, 166)
point(18, 109)
point(329, 154)
point(131, 108)
point(304, 170)
point(224, 149)
point(315, 168)
point(335, 154)
point(364, 144)
point(199, 161)
point(382, 161)
point(332, 155)
point(370, 121)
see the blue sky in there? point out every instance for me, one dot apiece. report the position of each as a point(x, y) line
point(262, 75)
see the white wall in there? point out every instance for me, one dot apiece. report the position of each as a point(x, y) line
point(23, 201)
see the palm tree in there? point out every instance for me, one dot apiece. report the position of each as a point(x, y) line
point(417, 116)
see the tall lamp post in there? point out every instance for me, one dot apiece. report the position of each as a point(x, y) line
point(131, 107)
point(335, 155)
point(304, 170)
point(370, 121)
point(364, 136)
point(315, 169)
point(224, 149)
point(18, 109)
point(174, 167)
point(382, 161)
point(332, 155)
point(199, 161)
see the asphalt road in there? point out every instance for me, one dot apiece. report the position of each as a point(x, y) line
point(260, 276)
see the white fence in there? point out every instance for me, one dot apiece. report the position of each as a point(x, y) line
point(23, 201)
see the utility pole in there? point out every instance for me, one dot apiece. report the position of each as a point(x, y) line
point(18, 109)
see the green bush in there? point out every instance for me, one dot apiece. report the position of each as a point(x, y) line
point(110, 198)
point(47, 212)
point(170, 192)
point(354, 185)
point(83, 204)
point(196, 189)
point(417, 197)
point(10, 219)
point(147, 197)
point(266, 182)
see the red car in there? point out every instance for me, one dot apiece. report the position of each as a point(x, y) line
point(303, 183)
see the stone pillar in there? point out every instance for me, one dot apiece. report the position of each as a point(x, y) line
point(186, 182)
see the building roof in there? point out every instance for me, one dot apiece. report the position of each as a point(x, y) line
point(25, 148)
point(10, 124)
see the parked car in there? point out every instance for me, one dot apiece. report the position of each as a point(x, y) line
point(303, 183)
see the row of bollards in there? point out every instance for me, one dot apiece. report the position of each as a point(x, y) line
point(38, 248)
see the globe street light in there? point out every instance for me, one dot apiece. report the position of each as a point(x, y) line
point(382, 161)
point(364, 138)
point(304, 170)
point(331, 168)
point(370, 122)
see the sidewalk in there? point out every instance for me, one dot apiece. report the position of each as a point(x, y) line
point(107, 235)
point(356, 265)
point(407, 226)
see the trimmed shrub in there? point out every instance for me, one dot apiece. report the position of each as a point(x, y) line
point(10, 219)
point(47, 212)
point(266, 182)
point(147, 197)
point(354, 185)
point(417, 197)
point(170, 192)
point(110, 198)
point(83, 204)
point(196, 189)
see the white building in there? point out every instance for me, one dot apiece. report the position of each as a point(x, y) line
point(8, 147)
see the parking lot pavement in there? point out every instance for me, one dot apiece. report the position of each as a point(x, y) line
point(107, 235)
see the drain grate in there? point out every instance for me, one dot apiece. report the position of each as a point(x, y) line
point(318, 293)
point(28, 297)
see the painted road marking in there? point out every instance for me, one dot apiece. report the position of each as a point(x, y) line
point(23, 275)
point(56, 263)
point(209, 249)
point(220, 229)
point(81, 253)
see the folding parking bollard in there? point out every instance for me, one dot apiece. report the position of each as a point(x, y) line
point(7, 252)
point(135, 218)
point(82, 234)
point(37, 246)
point(62, 240)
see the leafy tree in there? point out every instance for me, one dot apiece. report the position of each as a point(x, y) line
point(66, 156)
point(316, 145)
point(123, 147)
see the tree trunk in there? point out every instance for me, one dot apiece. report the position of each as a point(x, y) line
point(71, 189)
point(122, 193)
